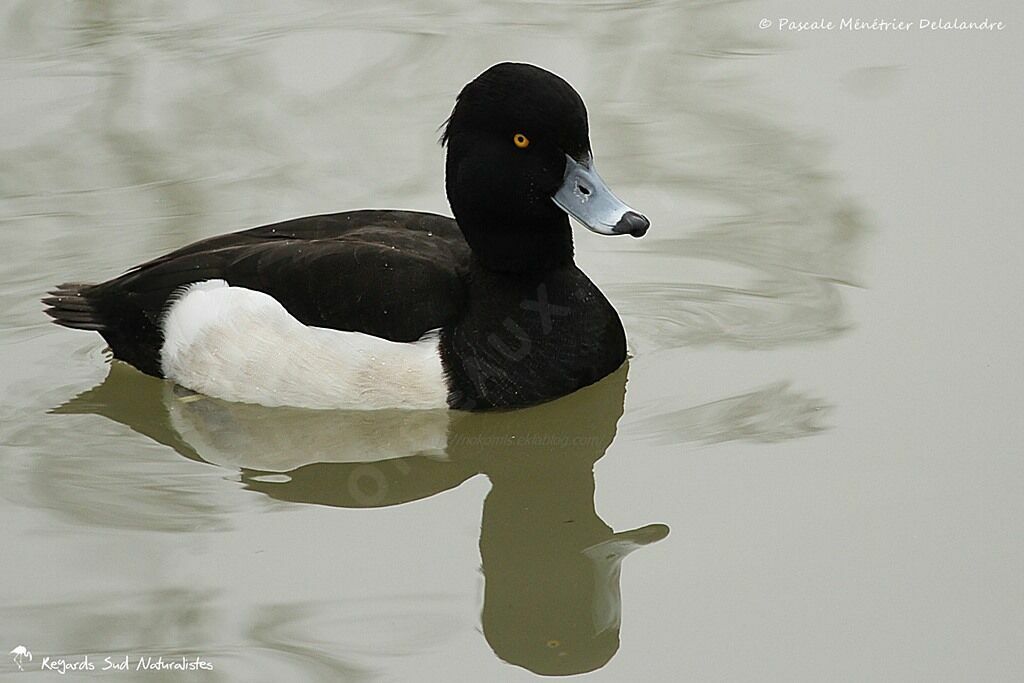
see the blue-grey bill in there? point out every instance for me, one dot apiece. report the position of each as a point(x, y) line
point(585, 196)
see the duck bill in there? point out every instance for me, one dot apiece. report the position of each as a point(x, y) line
point(585, 196)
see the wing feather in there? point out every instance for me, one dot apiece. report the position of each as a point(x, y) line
point(392, 274)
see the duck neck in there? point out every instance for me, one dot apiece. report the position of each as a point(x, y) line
point(510, 245)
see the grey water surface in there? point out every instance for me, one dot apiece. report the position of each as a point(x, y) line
point(810, 470)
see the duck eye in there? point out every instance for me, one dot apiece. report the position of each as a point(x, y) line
point(521, 141)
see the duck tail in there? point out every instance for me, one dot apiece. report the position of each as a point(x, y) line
point(69, 305)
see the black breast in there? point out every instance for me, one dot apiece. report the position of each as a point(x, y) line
point(526, 338)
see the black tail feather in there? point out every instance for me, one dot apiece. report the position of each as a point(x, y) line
point(69, 305)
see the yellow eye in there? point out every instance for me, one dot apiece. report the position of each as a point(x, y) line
point(521, 141)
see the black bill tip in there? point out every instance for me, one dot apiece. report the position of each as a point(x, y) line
point(633, 224)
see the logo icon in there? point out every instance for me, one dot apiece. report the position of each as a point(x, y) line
point(20, 654)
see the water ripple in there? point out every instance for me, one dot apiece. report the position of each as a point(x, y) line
point(771, 414)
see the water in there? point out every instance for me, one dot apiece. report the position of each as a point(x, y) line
point(816, 458)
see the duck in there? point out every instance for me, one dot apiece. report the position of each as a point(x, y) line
point(393, 309)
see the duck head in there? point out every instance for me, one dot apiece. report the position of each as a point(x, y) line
point(519, 163)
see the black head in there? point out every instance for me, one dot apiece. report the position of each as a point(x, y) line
point(514, 136)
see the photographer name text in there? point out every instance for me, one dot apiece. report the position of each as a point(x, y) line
point(854, 24)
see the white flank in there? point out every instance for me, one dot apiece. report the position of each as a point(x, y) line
point(242, 345)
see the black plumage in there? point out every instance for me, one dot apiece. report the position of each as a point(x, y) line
point(519, 322)
point(391, 274)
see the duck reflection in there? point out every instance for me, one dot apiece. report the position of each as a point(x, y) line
point(551, 565)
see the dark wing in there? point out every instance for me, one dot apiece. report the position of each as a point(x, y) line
point(392, 274)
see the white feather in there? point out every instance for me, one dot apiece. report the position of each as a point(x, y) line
point(242, 345)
